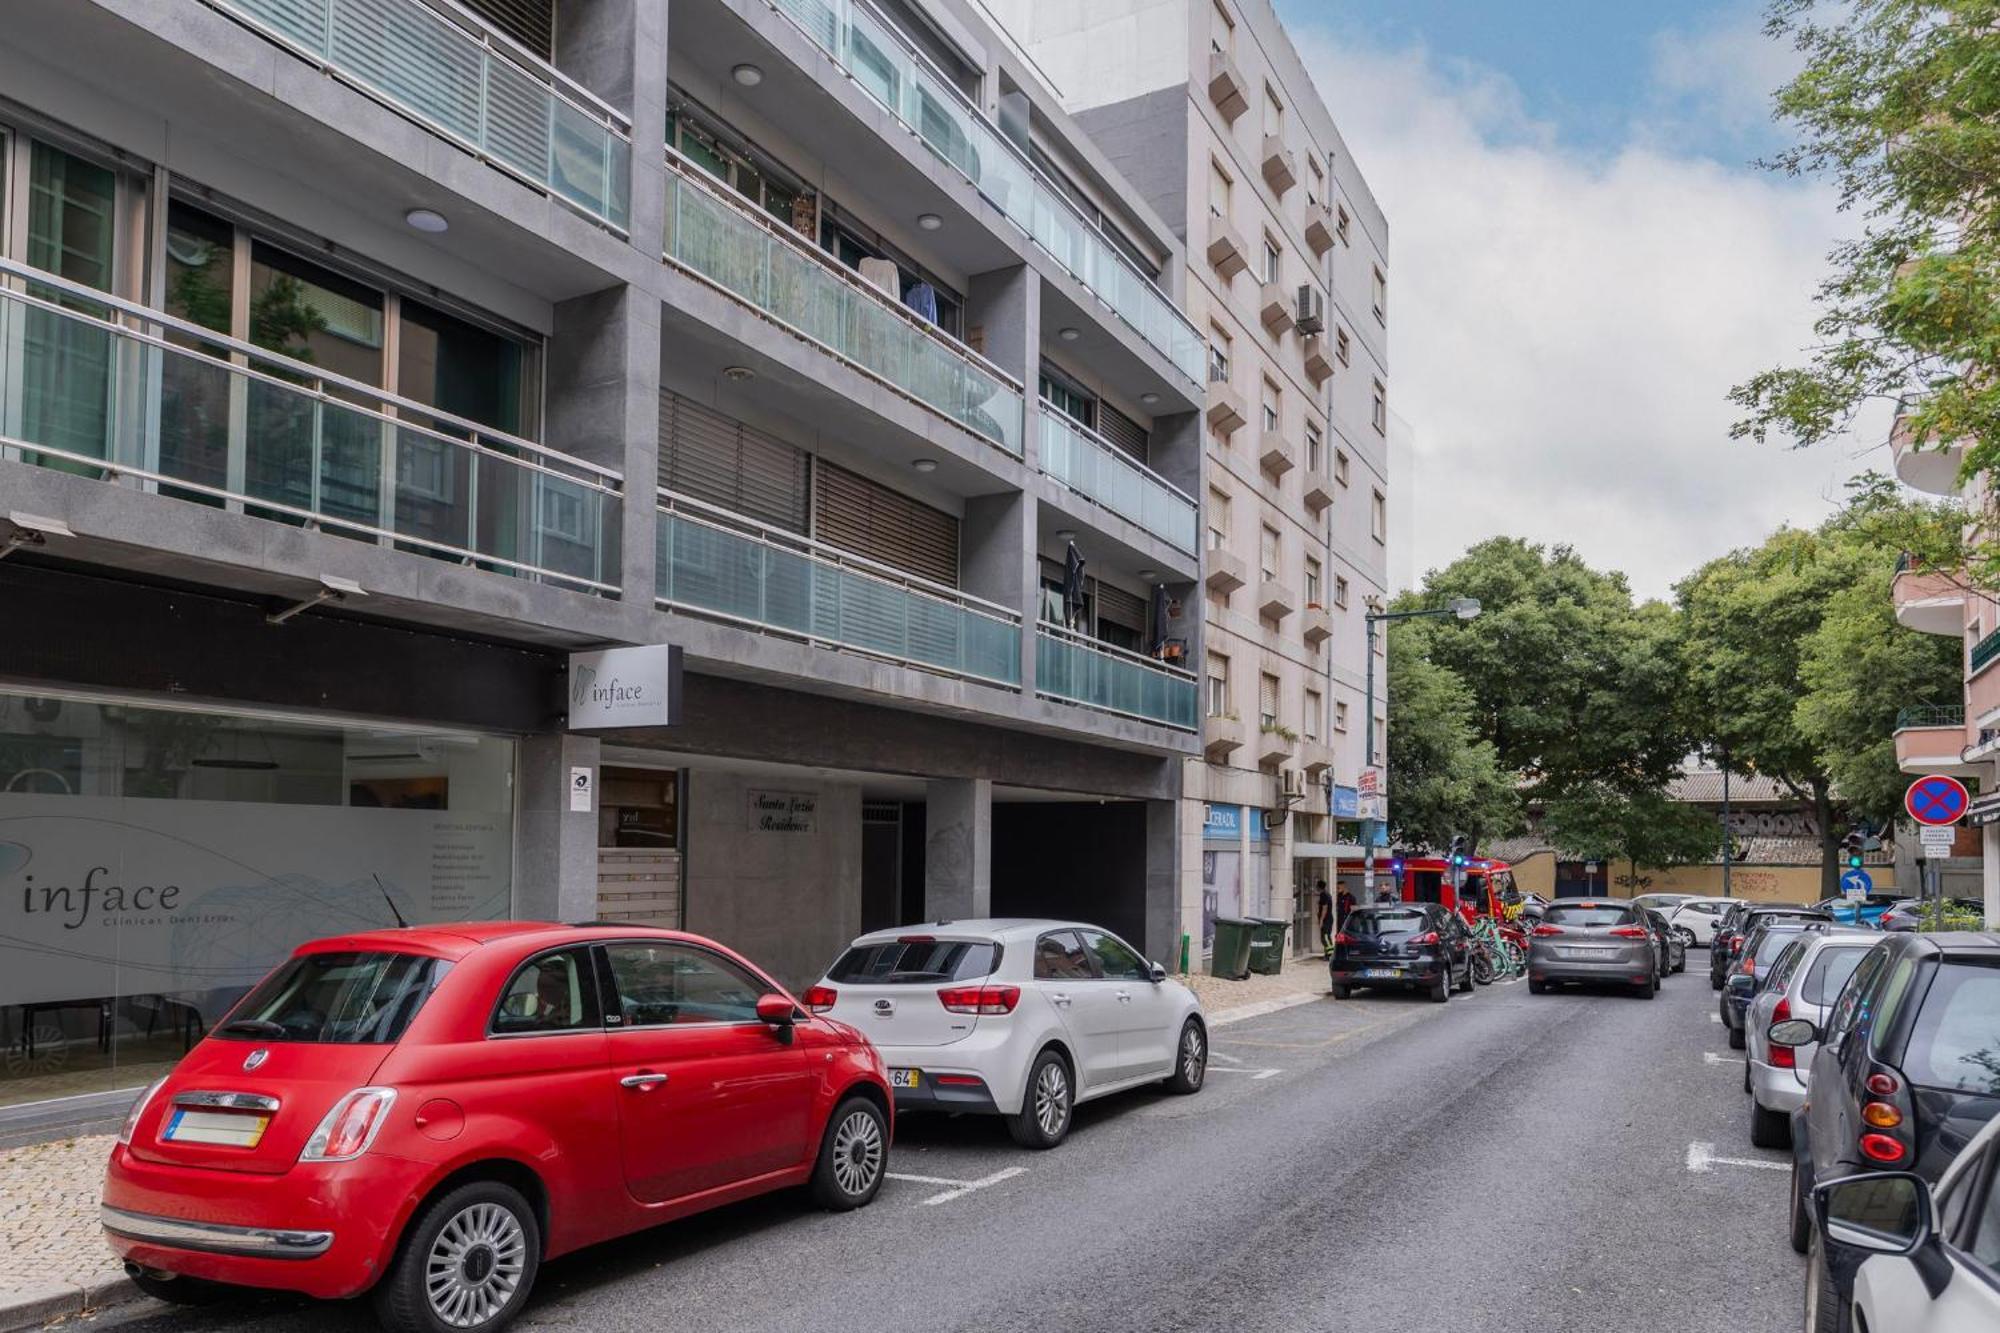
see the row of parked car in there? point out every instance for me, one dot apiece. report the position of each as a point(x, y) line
point(426, 1114)
point(1873, 1055)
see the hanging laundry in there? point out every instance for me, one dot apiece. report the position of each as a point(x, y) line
point(922, 298)
point(882, 273)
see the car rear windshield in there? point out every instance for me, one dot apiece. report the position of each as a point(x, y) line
point(1956, 1040)
point(1829, 972)
point(1770, 943)
point(916, 962)
point(1386, 921)
point(1586, 916)
point(359, 998)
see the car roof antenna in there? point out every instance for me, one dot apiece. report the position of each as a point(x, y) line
point(401, 924)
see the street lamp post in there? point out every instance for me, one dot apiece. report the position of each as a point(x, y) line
point(1464, 608)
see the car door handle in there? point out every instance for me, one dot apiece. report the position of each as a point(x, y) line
point(1059, 998)
point(644, 1082)
point(1124, 997)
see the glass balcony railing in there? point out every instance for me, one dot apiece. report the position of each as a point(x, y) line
point(1091, 466)
point(728, 242)
point(1069, 666)
point(719, 564)
point(443, 68)
point(884, 63)
point(107, 389)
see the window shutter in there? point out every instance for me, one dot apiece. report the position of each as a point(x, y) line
point(1122, 431)
point(529, 22)
point(714, 457)
point(1267, 696)
point(867, 518)
point(1121, 608)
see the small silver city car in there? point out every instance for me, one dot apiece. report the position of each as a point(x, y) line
point(1606, 941)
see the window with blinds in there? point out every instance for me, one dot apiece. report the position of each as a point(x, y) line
point(714, 457)
point(867, 518)
point(1122, 431)
point(532, 23)
point(1267, 700)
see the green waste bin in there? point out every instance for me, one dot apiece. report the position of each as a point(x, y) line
point(1231, 958)
point(1267, 945)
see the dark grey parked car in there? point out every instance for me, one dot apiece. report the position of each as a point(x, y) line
point(1607, 941)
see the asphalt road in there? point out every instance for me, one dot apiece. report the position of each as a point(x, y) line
point(1505, 1161)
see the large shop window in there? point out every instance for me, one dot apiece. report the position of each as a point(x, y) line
point(155, 863)
point(867, 518)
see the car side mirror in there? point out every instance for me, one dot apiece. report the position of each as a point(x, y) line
point(779, 1013)
point(1794, 1032)
point(1156, 973)
point(1886, 1212)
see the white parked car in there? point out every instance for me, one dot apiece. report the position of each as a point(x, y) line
point(1935, 1266)
point(1663, 903)
point(1805, 980)
point(1696, 918)
point(1016, 1018)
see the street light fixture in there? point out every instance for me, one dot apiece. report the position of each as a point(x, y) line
point(1461, 608)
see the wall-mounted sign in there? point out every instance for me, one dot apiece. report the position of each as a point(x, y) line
point(625, 687)
point(1224, 823)
point(580, 790)
point(1369, 782)
point(783, 811)
point(1346, 803)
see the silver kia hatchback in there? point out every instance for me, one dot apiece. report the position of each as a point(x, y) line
point(1594, 940)
point(1804, 982)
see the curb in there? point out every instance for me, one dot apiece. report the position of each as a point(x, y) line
point(36, 1306)
point(1262, 1007)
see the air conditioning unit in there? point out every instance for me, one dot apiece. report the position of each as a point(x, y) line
point(1311, 313)
point(1292, 784)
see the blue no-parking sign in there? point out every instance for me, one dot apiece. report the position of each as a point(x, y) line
point(1937, 799)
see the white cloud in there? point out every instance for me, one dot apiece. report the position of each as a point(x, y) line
point(1566, 325)
point(1723, 73)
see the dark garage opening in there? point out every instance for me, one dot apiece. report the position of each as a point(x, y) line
point(1081, 861)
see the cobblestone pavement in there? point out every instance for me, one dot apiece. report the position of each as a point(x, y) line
point(49, 1239)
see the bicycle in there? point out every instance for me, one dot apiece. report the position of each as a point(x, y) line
point(1496, 956)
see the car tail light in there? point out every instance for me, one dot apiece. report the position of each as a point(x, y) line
point(1881, 1115)
point(1428, 937)
point(1783, 1057)
point(1629, 932)
point(980, 999)
point(819, 999)
point(1548, 930)
point(350, 1127)
point(1882, 1085)
point(1881, 1148)
point(138, 1109)
point(916, 939)
point(1342, 937)
point(958, 1080)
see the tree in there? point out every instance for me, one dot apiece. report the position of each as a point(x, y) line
point(1646, 828)
point(1896, 106)
point(1443, 779)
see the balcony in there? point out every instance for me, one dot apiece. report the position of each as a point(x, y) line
point(1275, 601)
point(886, 65)
point(728, 243)
point(1315, 757)
point(449, 72)
point(1930, 738)
point(719, 565)
point(1319, 362)
point(1931, 467)
point(1226, 250)
point(1079, 670)
point(1319, 228)
point(1225, 86)
point(103, 388)
point(1274, 308)
point(1226, 408)
point(1275, 455)
point(1084, 461)
point(1318, 625)
point(1226, 571)
point(1928, 601)
point(1318, 493)
point(1221, 736)
point(1275, 745)
point(1281, 168)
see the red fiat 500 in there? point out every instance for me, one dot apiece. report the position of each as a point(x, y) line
point(429, 1113)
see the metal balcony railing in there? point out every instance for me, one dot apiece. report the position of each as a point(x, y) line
point(105, 388)
point(1088, 464)
point(1984, 651)
point(1930, 715)
point(451, 73)
point(888, 66)
point(727, 242)
point(1082, 670)
point(723, 565)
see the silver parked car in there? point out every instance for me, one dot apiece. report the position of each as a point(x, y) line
point(1804, 981)
point(1593, 939)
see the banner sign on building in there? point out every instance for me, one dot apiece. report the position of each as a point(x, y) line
point(1346, 803)
point(1224, 823)
point(625, 687)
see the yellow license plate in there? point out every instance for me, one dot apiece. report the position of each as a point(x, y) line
point(905, 1078)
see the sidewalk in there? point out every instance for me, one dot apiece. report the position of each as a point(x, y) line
point(1227, 1001)
point(58, 1264)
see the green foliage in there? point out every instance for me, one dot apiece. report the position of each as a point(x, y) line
point(281, 320)
point(1443, 779)
point(1647, 828)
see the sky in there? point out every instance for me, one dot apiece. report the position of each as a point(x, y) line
point(1583, 259)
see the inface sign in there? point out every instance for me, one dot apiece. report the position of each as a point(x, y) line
point(625, 687)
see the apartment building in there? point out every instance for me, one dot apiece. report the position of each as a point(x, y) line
point(1206, 106)
point(1959, 738)
point(361, 360)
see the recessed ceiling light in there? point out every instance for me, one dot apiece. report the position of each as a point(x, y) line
point(1068, 335)
point(1148, 575)
point(1149, 398)
point(929, 221)
point(925, 465)
point(425, 219)
point(738, 373)
point(1065, 534)
point(748, 75)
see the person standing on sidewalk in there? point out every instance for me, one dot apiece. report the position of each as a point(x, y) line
point(1323, 908)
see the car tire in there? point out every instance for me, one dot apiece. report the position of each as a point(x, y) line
point(1649, 990)
point(1801, 1221)
point(1341, 992)
point(1466, 988)
point(1190, 1060)
point(1737, 1041)
point(1441, 989)
point(177, 1290)
point(1047, 1104)
point(490, 1228)
point(1826, 1312)
point(853, 1156)
point(1687, 937)
point(1537, 987)
point(1714, 982)
point(1769, 1129)
point(1746, 1076)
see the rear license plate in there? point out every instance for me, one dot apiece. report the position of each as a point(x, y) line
point(905, 1078)
point(226, 1130)
point(1378, 972)
point(1587, 952)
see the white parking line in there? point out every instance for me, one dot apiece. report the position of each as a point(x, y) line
point(1253, 1073)
point(968, 1186)
point(1715, 1059)
point(1223, 1056)
point(921, 1180)
point(1714, 1017)
point(1701, 1159)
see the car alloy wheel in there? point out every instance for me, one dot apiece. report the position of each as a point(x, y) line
point(857, 1153)
point(1052, 1099)
point(475, 1265)
point(1194, 1055)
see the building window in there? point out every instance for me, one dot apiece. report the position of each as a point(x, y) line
point(1218, 520)
point(1316, 187)
point(1381, 295)
point(1223, 37)
point(1340, 466)
point(1218, 190)
point(1340, 348)
point(1274, 261)
point(1218, 686)
point(1269, 553)
point(1274, 113)
point(1312, 581)
point(1311, 719)
point(1218, 356)
point(1267, 701)
point(1340, 222)
point(1339, 590)
point(1378, 411)
point(1340, 715)
point(1378, 520)
point(1315, 448)
point(1273, 412)
point(1381, 738)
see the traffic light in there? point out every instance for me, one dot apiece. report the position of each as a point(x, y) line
point(1852, 846)
point(1458, 849)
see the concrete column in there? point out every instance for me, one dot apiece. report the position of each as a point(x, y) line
point(555, 847)
point(997, 544)
point(618, 50)
point(1174, 451)
point(958, 849)
point(1163, 885)
point(1005, 305)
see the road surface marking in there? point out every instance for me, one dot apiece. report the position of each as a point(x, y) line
point(1701, 1159)
point(1226, 1059)
point(921, 1180)
point(1255, 1074)
point(966, 1187)
point(1715, 1059)
point(1715, 1018)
